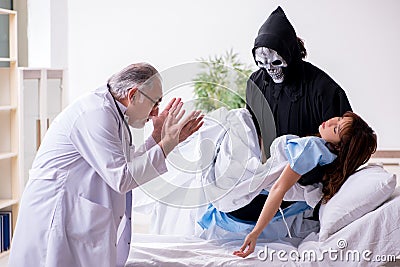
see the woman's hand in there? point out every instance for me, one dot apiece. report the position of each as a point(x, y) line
point(285, 181)
point(249, 243)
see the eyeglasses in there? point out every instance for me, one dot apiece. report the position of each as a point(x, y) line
point(156, 103)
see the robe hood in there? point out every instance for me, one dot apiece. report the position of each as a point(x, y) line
point(278, 34)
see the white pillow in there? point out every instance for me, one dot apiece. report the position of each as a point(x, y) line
point(364, 191)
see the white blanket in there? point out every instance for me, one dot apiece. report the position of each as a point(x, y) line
point(236, 174)
point(220, 164)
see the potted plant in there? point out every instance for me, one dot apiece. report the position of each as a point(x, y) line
point(222, 83)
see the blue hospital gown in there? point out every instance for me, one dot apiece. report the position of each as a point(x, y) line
point(305, 153)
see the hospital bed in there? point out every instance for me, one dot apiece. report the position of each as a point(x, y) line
point(359, 226)
point(378, 231)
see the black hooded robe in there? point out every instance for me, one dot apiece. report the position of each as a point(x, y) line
point(306, 98)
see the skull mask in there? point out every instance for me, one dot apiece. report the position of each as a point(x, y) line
point(273, 63)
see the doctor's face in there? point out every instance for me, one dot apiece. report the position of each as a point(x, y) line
point(143, 105)
point(330, 129)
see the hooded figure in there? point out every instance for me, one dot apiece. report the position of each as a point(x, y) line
point(306, 97)
point(300, 96)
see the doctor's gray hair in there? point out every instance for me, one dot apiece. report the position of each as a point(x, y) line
point(140, 75)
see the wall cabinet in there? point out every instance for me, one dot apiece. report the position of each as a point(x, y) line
point(29, 101)
point(42, 100)
point(10, 138)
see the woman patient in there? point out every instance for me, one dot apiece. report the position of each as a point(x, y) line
point(343, 145)
point(230, 173)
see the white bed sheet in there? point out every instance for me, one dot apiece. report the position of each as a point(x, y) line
point(377, 231)
point(177, 251)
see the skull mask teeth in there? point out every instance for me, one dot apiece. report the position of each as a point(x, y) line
point(273, 63)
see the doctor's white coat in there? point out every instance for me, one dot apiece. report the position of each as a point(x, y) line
point(73, 211)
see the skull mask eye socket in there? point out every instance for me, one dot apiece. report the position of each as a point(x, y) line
point(277, 63)
point(273, 63)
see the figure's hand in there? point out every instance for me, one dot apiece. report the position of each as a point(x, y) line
point(249, 243)
point(174, 130)
point(158, 121)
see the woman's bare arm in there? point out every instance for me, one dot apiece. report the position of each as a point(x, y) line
point(285, 181)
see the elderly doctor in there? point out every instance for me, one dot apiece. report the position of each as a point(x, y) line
point(76, 207)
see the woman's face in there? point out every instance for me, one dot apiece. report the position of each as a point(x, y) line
point(330, 129)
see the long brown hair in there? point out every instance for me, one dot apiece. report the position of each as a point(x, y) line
point(303, 50)
point(357, 143)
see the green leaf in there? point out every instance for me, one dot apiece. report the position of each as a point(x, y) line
point(222, 83)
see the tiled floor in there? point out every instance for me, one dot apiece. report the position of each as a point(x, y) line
point(3, 261)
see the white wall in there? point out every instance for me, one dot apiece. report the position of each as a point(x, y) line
point(39, 33)
point(43, 33)
point(356, 42)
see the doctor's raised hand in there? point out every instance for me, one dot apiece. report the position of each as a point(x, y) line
point(176, 129)
point(170, 128)
point(79, 194)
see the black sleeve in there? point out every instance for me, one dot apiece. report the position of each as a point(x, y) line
point(250, 92)
point(334, 103)
point(313, 176)
point(331, 102)
point(261, 112)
